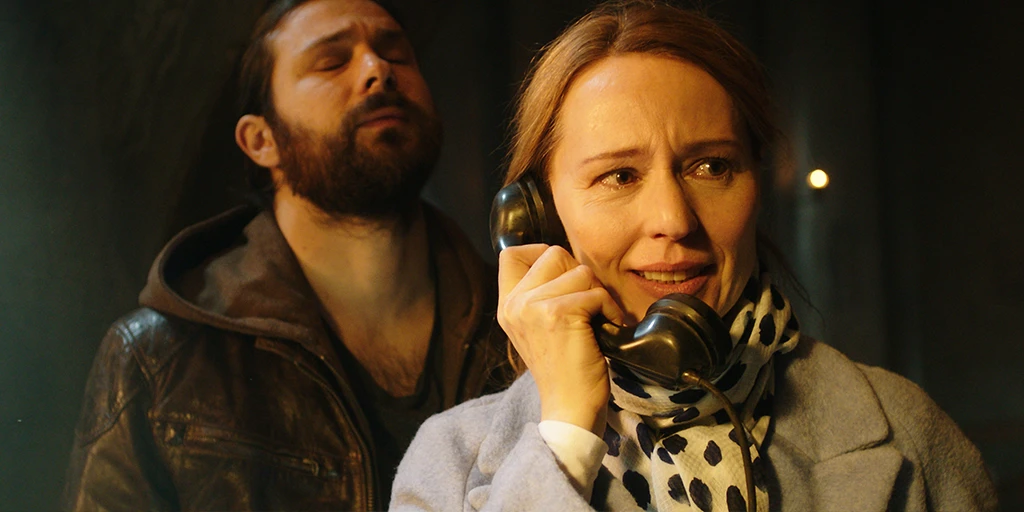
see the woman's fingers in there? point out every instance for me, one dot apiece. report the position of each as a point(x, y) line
point(514, 262)
point(574, 292)
point(551, 264)
point(609, 308)
point(529, 275)
point(601, 301)
point(528, 266)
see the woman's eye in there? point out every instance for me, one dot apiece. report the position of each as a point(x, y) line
point(715, 168)
point(619, 178)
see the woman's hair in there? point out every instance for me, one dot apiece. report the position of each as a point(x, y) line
point(634, 26)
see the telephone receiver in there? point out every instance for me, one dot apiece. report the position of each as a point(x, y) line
point(679, 333)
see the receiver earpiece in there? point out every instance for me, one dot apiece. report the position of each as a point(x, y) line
point(521, 214)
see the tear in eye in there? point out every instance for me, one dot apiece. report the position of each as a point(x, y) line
point(618, 178)
point(713, 168)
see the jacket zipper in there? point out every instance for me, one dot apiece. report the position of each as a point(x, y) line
point(367, 462)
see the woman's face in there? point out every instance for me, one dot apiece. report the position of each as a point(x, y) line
point(653, 178)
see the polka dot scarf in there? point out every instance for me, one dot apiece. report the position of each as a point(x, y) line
point(676, 450)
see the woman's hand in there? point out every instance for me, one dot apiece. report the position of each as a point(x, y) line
point(546, 300)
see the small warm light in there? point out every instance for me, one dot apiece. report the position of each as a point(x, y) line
point(817, 179)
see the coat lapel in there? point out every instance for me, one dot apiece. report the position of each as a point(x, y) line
point(827, 411)
point(859, 480)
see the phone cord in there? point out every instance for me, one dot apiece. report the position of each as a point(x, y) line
point(741, 433)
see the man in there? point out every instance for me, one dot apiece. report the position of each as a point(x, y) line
point(285, 358)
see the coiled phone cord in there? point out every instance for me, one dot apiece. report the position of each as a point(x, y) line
point(741, 433)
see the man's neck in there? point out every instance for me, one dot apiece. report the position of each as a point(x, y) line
point(374, 281)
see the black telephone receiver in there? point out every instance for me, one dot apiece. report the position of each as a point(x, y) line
point(678, 334)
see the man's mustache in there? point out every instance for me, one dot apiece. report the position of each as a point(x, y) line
point(376, 102)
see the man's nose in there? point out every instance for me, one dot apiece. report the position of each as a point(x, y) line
point(666, 209)
point(375, 73)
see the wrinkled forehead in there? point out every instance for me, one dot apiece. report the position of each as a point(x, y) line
point(628, 86)
point(318, 19)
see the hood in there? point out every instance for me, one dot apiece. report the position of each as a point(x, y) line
point(235, 272)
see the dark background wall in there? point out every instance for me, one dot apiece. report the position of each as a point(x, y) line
point(115, 131)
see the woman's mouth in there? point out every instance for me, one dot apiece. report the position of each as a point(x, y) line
point(674, 277)
point(658, 283)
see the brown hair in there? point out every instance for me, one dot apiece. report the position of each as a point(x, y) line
point(634, 26)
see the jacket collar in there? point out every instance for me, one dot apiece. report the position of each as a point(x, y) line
point(236, 272)
point(466, 298)
point(826, 409)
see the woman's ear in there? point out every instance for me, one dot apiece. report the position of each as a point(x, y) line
point(254, 136)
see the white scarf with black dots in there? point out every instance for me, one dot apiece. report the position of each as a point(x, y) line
point(695, 462)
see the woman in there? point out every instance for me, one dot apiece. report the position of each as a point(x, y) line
point(649, 127)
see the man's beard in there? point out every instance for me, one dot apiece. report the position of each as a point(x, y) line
point(343, 178)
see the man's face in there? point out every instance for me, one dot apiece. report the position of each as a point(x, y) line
point(353, 119)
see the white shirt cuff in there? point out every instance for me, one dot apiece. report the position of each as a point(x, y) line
point(579, 452)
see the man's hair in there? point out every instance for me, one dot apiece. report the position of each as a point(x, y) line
point(258, 60)
point(255, 95)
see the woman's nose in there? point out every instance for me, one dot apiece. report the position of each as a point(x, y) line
point(375, 73)
point(666, 209)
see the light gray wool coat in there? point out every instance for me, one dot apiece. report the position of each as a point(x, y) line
point(844, 436)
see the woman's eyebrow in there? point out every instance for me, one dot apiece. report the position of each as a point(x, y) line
point(616, 154)
point(704, 145)
point(690, 148)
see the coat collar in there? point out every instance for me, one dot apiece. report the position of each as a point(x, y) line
point(826, 409)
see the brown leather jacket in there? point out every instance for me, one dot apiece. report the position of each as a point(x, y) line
point(223, 391)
